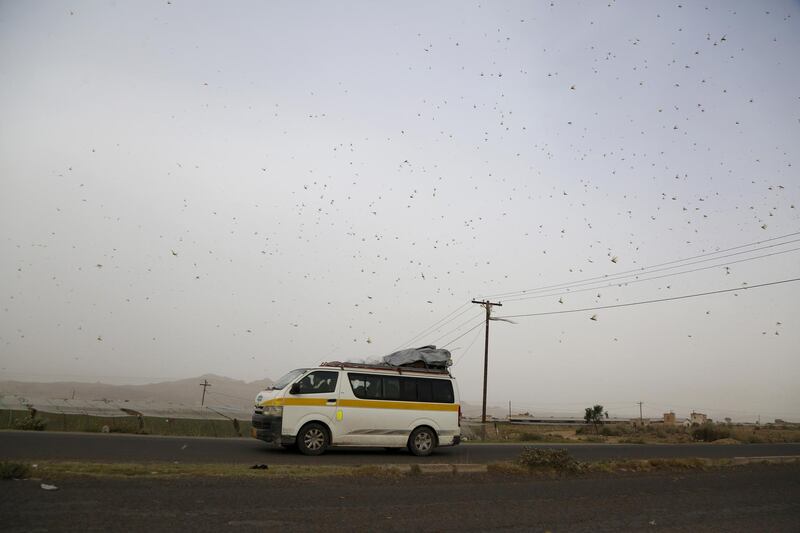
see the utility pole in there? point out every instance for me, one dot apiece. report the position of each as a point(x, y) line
point(205, 384)
point(641, 422)
point(488, 306)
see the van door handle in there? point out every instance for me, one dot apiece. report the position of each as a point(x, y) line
point(332, 401)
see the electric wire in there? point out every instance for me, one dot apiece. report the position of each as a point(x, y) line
point(470, 329)
point(607, 285)
point(564, 288)
point(657, 300)
point(643, 269)
point(457, 328)
point(625, 283)
point(433, 327)
point(465, 352)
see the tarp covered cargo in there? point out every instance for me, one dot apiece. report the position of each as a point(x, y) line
point(425, 356)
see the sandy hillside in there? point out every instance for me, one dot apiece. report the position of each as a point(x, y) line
point(223, 391)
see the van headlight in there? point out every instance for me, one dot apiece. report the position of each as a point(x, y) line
point(272, 410)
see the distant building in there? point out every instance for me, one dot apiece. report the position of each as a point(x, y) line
point(669, 419)
point(561, 420)
point(637, 422)
point(698, 418)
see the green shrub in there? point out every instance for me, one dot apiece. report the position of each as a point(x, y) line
point(710, 432)
point(31, 423)
point(557, 459)
point(10, 470)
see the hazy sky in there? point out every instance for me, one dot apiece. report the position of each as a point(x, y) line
point(246, 188)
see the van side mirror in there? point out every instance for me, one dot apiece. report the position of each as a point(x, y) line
point(295, 388)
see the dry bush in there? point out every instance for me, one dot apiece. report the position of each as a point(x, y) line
point(557, 459)
point(710, 432)
point(12, 470)
point(30, 423)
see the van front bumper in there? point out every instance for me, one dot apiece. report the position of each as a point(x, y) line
point(266, 428)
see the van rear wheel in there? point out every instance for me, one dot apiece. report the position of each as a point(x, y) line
point(312, 439)
point(422, 441)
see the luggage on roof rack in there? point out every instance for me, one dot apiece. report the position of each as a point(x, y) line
point(386, 367)
point(422, 359)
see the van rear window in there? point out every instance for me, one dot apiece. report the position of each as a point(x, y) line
point(401, 388)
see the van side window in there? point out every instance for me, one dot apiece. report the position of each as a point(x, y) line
point(391, 388)
point(405, 389)
point(366, 386)
point(424, 390)
point(318, 383)
point(442, 391)
point(408, 390)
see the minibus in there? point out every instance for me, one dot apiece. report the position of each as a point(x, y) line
point(353, 404)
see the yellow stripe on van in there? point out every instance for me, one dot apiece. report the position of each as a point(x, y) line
point(387, 404)
point(295, 401)
point(367, 404)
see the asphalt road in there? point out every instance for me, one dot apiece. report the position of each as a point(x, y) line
point(750, 498)
point(117, 448)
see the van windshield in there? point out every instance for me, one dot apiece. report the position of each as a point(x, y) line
point(287, 378)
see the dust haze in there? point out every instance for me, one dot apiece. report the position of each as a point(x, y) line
point(242, 189)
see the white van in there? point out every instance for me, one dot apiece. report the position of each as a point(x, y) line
point(351, 404)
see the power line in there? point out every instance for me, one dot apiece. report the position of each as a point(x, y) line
point(465, 352)
point(643, 269)
point(651, 271)
point(470, 329)
point(457, 328)
point(642, 302)
point(564, 288)
point(430, 329)
point(568, 291)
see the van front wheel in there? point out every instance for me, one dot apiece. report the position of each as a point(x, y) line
point(422, 441)
point(312, 439)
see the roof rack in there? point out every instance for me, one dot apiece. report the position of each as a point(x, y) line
point(385, 367)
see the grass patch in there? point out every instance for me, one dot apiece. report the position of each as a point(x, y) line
point(557, 464)
point(653, 465)
point(549, 469)
point(14, 470)
point(55, 470)
point(528, 437)
point(596, 439)
point(145, 425)
point(507, 468)
point(633, 440)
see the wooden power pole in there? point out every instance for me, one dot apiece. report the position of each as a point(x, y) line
point(488, 306)
point(205, 384)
